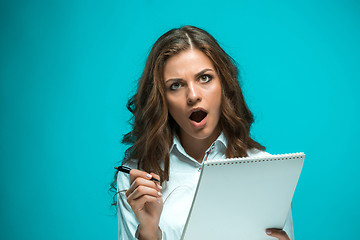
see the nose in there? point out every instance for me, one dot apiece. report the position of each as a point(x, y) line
point(194, 94)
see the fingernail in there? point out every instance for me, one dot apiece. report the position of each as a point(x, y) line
point(148, 176)
point(160, 187)
point(159, 193)
point(268, 231)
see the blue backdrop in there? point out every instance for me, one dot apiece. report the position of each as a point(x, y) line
point(67, 69)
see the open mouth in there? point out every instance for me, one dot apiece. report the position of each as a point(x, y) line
point(198, 116)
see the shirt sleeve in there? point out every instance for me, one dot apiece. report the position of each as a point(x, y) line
point(289, 227)
point(127, 221)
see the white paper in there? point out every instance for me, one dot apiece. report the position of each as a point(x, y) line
point(239, 198)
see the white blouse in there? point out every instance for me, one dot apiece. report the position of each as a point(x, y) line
point(178, 192)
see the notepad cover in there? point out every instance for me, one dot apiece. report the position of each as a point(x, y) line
point(239, 198)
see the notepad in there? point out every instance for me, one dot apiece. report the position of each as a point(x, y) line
point(239, 198)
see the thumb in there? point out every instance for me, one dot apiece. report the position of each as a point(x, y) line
point(277, 233)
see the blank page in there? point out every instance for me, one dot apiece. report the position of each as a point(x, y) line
point(239, 198)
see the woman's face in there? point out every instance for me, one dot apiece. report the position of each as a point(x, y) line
point(193, 94)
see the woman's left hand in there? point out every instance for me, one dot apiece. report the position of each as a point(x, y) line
point(277, 233)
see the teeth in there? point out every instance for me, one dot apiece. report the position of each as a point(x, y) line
point(198, 116)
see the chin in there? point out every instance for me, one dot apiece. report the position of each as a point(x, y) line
point(203, 134)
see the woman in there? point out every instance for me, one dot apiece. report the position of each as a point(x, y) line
point(188, 108)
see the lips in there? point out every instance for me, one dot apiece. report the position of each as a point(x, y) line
point(198, 115)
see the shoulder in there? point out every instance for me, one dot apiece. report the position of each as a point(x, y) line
point(254, 152)
point(131, 163)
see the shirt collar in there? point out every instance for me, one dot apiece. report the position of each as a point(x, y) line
point(220, 141)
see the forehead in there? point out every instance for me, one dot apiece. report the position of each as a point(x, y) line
point(190, 61)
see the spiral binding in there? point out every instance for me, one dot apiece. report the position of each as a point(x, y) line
point(243, 160)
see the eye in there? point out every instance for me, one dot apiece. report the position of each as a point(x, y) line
point(205, 78)
point(175, 86)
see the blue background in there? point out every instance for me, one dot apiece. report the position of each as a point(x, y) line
point(67, 69)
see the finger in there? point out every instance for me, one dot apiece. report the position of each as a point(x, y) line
point(141, 182)
point(140, 203)
point(278, 233)
point(158, 178)
point(142, 191)
point(135, 173)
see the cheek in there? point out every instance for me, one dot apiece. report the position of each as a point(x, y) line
point(216, 97)
point(216, 102)
point(173, 106)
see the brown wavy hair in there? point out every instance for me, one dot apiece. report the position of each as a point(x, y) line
point(153, 127)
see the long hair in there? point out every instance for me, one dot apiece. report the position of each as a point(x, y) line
point(153, 128)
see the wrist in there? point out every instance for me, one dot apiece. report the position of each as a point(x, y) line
point(148, 232)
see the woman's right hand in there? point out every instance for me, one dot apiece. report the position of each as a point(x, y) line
point(144, 197)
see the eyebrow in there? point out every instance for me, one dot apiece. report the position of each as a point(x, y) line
point(196, 75)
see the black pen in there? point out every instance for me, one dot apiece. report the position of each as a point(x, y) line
point(127, 170)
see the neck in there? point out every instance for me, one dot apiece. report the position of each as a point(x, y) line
point(196, 147)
